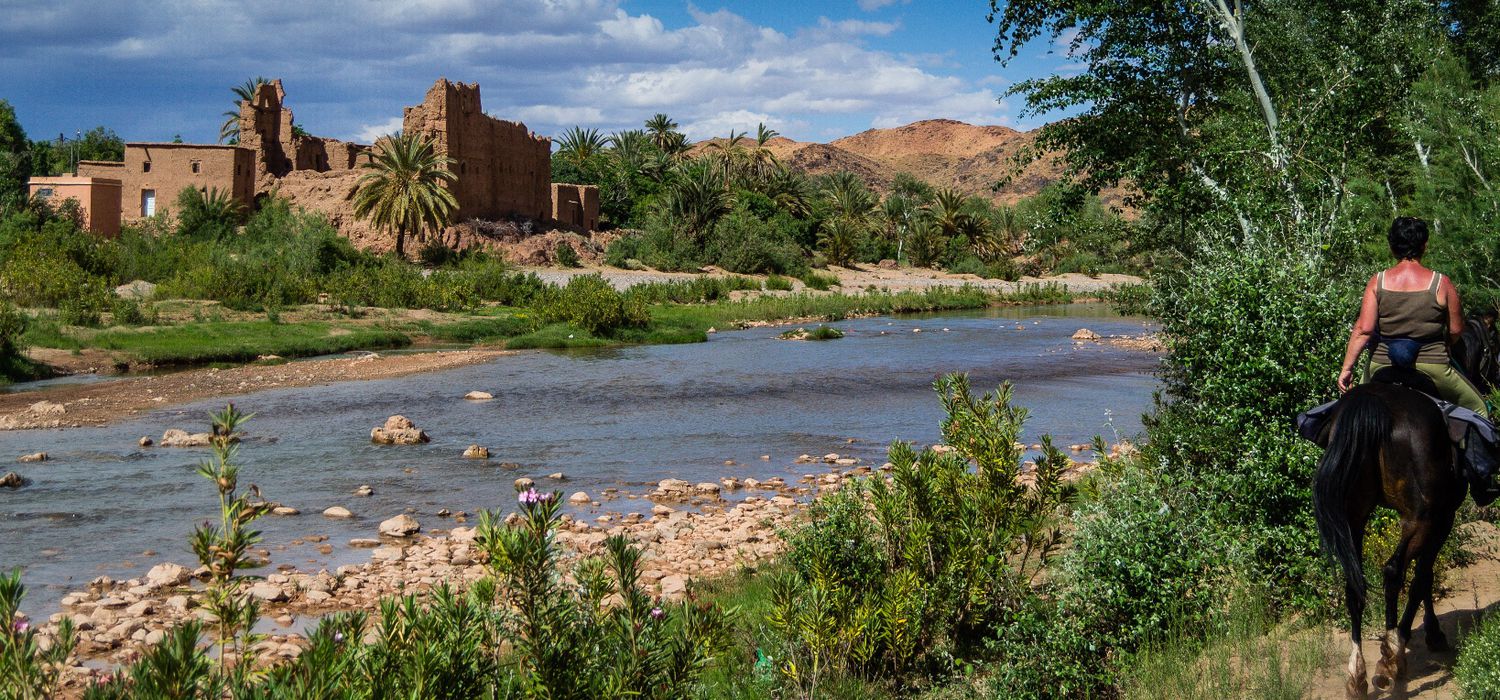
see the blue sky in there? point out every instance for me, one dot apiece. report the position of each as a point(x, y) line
point(813, 70)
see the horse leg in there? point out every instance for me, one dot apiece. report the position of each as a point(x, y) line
point(1356, 687)
point(1421, 586)
point(1393, 660)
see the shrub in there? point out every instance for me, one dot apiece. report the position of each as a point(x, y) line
point(27, 671)
point(1476, 673)
point(904, 583)
point(777, 283)
point(744, 243)
point(592, 304)
point(130, 312)
point(207, 215)
point(819, 281)
point(566, 255)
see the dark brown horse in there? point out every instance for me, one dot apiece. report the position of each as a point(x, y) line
point(1388, 445)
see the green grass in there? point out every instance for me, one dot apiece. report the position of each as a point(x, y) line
point(240, 341)
point(777, 283)
point(819, 333)
point(480, 329)
point(1246, 654)
point(819, 281)
point(558, 336)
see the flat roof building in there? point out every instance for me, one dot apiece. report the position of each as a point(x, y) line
point(98, 199)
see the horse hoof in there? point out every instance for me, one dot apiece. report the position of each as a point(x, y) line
point(1356, 689)
point(1438, 642)
point(1382, 681)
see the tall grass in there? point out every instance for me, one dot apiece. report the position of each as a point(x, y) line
point(241, 341)
point(1246, 654)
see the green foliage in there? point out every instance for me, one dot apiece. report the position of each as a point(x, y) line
point(1477, 673)
point(906, 579)
point(406, 188)
point(13, 325)
point(590, 303)
point(27, 671)
point(777, 283)
point(699, 290)
point(819, 333)
point(207, 215)
point(229, 130)
point(566, 255)
point(746, 243)
point(819, 281)
point(15, 160)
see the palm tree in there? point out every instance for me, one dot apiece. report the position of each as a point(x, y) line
point(697, 198)
point(729, 155)
point(407, 188)
point(952, 211)
point(926, 240)
point(851, 213)
point(578, 145)
point(762, 162)
point(791, 191)
point(661, 127)
point(229, 131)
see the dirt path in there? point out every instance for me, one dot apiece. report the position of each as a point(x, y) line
point(101, 402)
point(1474, 590)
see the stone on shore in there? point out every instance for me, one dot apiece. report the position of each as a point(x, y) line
point(12, 480)
point(182, 438)
point(398, 430)
point(269, 592)
point(479, 396)
point(580, 498)
point(1085, 334)
point(47, 408)
point(337, 512)
point(477, 452)
point(33, 457)
point(400, 526)
point(364, 542)
point(167, 574)
point(707, 488)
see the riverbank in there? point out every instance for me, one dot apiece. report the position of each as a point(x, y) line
point(103, 402)
point(689, 535)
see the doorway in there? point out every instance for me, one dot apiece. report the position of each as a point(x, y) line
point(148, 202)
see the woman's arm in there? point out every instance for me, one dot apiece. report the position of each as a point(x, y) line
point(1364, 328)
point(1449, 292)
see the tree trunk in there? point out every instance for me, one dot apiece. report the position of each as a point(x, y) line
point(401, 242)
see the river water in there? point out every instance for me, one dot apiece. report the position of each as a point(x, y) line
point(624, 417)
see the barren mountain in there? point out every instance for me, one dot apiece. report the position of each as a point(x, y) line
point(941, 152)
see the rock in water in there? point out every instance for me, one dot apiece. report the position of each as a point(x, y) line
point(479, 396)
point(398, 430)
point(12, 480)
point(477, 452)
point(364, 491)
point(1085, 334)
point(182, 438)
point(580, 498)
point(145, 442)
point(400, 526)
point(33, 457)
point(525, 484)
point(337, 512)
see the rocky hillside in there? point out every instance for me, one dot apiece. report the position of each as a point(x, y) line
point(942, 152)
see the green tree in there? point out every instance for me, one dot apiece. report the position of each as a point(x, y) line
point(851, 215)
point(664, 134)
point(229, 131)
point(696, 199)
point(406, 188)
point(15, 160)
point(579, 146)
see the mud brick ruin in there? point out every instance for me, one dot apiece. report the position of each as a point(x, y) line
point(504, 171)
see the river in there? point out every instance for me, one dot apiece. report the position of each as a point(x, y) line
point(624, 418)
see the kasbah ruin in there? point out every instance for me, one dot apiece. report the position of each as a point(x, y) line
point(504, 188)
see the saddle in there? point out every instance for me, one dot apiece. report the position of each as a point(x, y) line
point(1463, 425)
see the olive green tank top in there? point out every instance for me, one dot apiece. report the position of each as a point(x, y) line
point(1418, 315)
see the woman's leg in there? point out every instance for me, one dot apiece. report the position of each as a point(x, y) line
point(1454, 387)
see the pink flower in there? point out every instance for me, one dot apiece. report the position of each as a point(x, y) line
point(657, 613)
point(529, 497)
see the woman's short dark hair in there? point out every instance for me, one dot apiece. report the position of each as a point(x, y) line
point(1408, 237)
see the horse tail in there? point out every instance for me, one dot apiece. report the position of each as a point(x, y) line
point(1359, 432)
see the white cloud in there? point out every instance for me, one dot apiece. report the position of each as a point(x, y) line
point(872, 5)
point(370, 132)
point(350, 67)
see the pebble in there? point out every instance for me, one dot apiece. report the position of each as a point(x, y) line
point(337, 512)
point(479, 396)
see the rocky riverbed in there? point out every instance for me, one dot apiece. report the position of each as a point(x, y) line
point(687, 531)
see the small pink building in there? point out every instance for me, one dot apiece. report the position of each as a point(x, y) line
point(98, 198)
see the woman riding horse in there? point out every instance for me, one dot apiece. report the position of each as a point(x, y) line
point(1386, 444)
point(1414, 316)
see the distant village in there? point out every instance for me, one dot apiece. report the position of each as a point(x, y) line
point(503, 170)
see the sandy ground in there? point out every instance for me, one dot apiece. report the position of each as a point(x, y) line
point(853, 279)
point(103, 402)
point(1474, 590)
